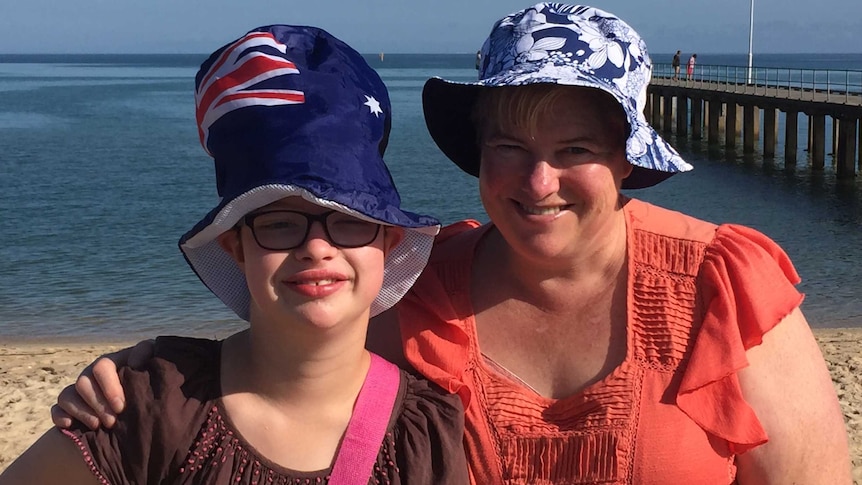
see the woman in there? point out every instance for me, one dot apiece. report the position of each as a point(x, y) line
point(307, 242)
point(689, 70)
point(596, 338)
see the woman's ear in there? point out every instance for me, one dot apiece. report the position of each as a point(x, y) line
point(392, 236)
point(628, 168)
point(231, 242)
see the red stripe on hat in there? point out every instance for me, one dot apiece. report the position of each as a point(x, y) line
point(227, 52)
point(289, 96)
point(252, 67)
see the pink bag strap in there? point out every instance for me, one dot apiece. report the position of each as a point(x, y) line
point(367, 427)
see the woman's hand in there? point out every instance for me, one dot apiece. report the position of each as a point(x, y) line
point(97, 396)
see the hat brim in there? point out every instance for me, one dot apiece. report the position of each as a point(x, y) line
point(448, 108)
point(220, 273)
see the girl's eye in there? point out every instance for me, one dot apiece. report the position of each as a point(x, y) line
point(277, 225)
point(348, 223)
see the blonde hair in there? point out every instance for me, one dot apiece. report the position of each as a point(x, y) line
point(522, 107)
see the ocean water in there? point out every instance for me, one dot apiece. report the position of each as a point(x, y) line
point(101, 172)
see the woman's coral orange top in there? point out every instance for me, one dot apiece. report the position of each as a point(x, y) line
point(699, 296)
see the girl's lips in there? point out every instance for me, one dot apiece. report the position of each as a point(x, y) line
point(316, 283)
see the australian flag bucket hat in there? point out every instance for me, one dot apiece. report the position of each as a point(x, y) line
point(293, 111)
point(555, 43)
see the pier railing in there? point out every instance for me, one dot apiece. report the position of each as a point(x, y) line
point(836, 86)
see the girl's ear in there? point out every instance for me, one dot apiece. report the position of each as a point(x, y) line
point(231, 242)
point(392, 236)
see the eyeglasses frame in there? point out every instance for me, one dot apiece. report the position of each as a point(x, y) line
point(310, 219)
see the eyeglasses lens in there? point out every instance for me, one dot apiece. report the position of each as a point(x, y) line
point(282, 230)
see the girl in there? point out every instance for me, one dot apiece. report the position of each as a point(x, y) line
point(307, 243)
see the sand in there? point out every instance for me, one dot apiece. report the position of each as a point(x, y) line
point(31, 376)
point(33, 373)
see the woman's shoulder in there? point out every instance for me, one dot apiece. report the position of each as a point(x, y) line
point(719, 238)
point(456, 240)
point(665, 237)
point(747, 286)
point(453, 253)
point(644, 217)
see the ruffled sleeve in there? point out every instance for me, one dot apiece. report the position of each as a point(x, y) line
point(429, 435)
point(747, 285)
point(151, 437)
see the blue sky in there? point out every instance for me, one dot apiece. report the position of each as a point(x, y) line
point(410, 26)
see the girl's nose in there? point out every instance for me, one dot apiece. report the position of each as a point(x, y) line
point(317, 245)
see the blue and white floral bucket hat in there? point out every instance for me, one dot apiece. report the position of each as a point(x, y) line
point(555, 43)
point(293, 111)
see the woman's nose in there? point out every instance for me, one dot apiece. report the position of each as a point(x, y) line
point(541, 179)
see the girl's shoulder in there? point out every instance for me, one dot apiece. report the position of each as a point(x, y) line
point(427, 433)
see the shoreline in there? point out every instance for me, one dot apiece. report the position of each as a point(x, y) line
point(34, 370)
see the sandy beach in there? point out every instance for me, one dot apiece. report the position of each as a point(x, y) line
point(33, 373)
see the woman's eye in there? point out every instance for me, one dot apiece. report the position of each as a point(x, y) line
point(507, 147)
point(576, 150)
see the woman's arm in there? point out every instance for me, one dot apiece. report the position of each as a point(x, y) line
point(789, 387)
point(52, 459)
point(97, 396)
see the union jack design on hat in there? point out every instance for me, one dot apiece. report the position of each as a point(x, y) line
point(231, 82)
point(293, 111)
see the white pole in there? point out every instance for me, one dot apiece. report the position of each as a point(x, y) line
point(750, 40)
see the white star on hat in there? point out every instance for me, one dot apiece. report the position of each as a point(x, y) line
point(373, 105)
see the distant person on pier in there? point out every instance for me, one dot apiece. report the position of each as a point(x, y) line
point(596, 338)
point(675, 65)
point(689, 70)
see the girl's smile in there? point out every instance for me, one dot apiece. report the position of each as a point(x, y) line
point(316, 283)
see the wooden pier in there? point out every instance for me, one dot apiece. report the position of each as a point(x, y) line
point(729, 100)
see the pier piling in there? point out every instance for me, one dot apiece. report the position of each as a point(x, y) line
point(681, 115)
point(818, 141)
point(730, 125)
point(696, 118)
point(748, 122)
point(770, 128)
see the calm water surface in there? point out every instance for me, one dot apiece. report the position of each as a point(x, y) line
point(101, 172)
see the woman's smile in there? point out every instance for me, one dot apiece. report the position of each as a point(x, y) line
point(543, 210)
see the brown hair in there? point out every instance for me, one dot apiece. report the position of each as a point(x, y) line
point(522, 107)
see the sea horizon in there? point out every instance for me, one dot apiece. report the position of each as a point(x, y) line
point(103, 171)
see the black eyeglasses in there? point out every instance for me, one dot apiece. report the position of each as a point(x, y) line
point(281, 230)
